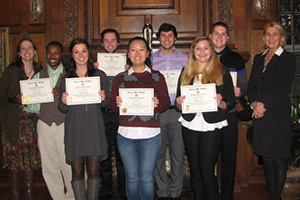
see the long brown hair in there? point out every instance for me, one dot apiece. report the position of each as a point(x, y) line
point(213, 68)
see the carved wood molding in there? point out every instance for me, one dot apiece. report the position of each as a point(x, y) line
point(172, 7)
point(71, 21)
point(226, 15)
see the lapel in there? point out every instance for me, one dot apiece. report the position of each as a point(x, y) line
point(273, 62)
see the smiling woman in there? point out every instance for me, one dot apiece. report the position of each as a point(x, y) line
point(4, 48)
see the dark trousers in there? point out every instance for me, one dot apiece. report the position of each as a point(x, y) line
point(111, 121)
point(228, 155)
point(202, 150)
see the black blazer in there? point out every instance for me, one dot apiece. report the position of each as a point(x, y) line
point(274, 84)
point(227, 92)
point(271, 133)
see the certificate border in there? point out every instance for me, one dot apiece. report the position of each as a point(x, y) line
point(83, 78)
point(112, 54)
point(168, 71)
point(213, 85)
point(21, 82)
point(137, 89)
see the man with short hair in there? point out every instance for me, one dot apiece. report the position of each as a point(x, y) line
point(50, 129)
point(110, 41)
point(235, 63)
point(165, 59)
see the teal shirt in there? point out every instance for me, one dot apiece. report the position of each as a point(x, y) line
point(54, 75)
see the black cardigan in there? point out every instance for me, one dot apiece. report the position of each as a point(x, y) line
point(227, 92)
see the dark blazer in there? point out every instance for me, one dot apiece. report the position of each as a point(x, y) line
point(272, 132)
point(227, 92)
point(9, 88)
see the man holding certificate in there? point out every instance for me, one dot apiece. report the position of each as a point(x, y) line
point(169, 62)
point(235, 63)
point(50, 128)
point(202, 130)
point(110, 42)
point(85, 140)
point(134, 95)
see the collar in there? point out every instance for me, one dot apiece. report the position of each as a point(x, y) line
point(131, 71)
point(224, 51)
point(173, 54)
point(278, 52)
point(60, 69)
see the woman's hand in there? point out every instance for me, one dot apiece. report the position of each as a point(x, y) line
point(259, 109)
point(179, 101)
point(221, 104)
point(96, 65)
point(64, 97)
point(237, 91)
point(19, 98)
point(118, 101)
point(102, 95)
point(55, 91)
point(156, 101)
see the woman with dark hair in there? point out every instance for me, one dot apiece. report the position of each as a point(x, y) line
point(270, 82)
point(139, 137)
point(85, 140)
point(20, 150)
point(202, 131)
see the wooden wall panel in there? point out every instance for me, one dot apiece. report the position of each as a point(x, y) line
point(13, 42)
point(10, 12)
point(39, 39)
point(128, 18)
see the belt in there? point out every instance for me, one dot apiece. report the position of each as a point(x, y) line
point(172, 107)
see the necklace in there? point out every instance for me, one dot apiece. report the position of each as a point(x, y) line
point(269, 57)
point(28, 74)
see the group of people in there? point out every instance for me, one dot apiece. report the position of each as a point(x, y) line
point(64, 138)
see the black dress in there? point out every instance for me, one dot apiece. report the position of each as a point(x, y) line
point(84, 125)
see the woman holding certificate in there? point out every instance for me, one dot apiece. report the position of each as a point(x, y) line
point(135, 93)
point(85, 140)
point(202, 130)
point(270, 82)
point(20, 150)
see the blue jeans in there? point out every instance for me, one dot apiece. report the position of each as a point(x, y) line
point(139, 158)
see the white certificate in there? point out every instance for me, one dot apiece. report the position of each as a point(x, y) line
point(111, 63)
point(83, 90)
point(199, 98)
point(171, 77)
point(137, 101)
point(234, 78)
point(36, 91)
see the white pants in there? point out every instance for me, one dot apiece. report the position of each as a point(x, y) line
point(56, 172)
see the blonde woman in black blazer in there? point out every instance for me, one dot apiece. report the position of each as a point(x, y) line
point(202, 132)
point(270, 82)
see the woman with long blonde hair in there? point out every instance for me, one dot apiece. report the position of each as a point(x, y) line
point(202, 131)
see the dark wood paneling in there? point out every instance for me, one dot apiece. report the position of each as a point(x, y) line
point(129, 17)
point(10, 12)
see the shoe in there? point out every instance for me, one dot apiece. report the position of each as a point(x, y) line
point(105, 194)
point(105, 197)
point(122, 195)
